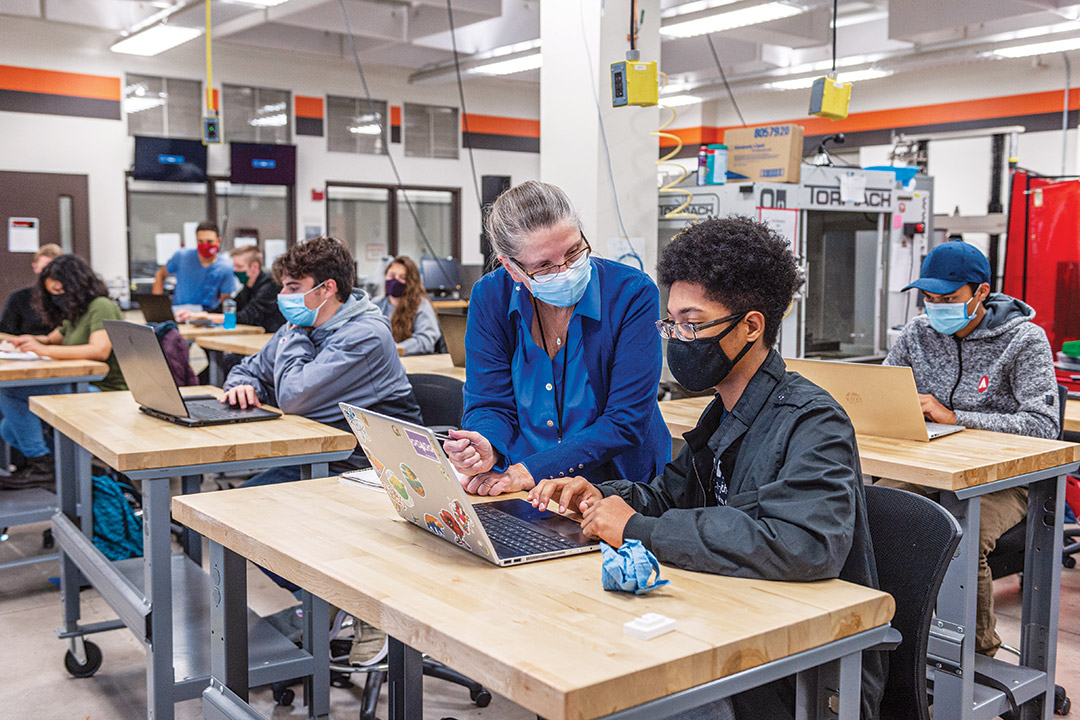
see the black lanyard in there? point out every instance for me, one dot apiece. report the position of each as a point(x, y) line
point(560, 391)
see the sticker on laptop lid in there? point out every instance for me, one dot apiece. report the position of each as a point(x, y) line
point(451, 521)
point(399, 487)
point(461, 515)
point(422, 446)
point(379, 467)
point(414, 482)
point(433, 525)
point(395, 498)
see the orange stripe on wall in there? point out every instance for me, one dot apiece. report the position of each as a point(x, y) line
point(961, 111)
point(215, 100)
point(395, 114)
point(309, 107)
point(51, 82)
point(496, 125)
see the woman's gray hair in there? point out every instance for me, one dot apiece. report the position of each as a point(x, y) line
point(524, 209)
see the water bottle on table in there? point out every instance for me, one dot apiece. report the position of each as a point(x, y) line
point(229, 306)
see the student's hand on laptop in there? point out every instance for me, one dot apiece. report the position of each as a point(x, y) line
point(607, 519)
point(572, 493)
point(242, 395)
point(517, 477)
point(935, 411)
point(469, 452)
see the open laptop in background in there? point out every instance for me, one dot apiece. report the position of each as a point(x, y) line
point(880, 399)
point(155, 308)
point(425, 491)
point(453, 330)
point(151, 382)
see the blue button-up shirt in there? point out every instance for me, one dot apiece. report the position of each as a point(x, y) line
point(538, 378)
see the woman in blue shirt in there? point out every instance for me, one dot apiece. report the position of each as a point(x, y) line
point(563, 360)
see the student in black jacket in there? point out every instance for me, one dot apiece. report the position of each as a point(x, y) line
point(256, 303)
point(769, 484)
point(20, 317)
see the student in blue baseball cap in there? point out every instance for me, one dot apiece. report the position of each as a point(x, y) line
point(979, 361)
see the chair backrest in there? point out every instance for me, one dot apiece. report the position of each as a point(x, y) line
point(440, 399)
point(914, 540)
point(1063, 397)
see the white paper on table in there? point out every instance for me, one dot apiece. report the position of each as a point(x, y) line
point(366, 478)
point(272, 249)
point(190, 238)
point(165, 246)
point(23, 234)
point(8, 351)
point(239, 242)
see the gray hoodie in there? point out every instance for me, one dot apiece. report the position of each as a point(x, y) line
point(350, 358)
point(1000, 377)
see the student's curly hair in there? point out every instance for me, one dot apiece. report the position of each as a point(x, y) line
point(740, 263)
point(81, 286)
point(321, 258)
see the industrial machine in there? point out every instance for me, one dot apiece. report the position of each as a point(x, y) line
point(860, 237)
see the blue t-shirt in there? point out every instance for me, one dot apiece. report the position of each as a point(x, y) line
point(198, 285)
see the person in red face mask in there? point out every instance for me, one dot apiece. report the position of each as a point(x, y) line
point(200, 278)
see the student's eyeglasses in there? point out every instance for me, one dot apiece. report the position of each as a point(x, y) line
point(687, 331)
point(550, 272)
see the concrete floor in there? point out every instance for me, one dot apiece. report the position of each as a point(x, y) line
point(36, 685)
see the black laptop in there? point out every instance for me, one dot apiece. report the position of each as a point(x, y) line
point(155, 308)
point(147, 374)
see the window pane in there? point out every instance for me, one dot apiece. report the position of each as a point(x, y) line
point(444, 132)
point(352, 126)
point(183, 109)
point(144, 105)
point(435, 210)
point(417, 122)
point(359, 217)
point(261, 115)
point(431, 131)
point(65, 224)
point(156, 208)
point(251, 211)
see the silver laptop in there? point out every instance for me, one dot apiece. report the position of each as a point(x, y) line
point(424, 489)
point(147, 373)
point(880, 399)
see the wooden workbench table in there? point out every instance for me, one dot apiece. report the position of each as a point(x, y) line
point(545, 634)
point(192, 332)
point(433, 365)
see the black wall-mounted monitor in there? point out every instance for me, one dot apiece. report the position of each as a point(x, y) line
point(169, 159)
point(257, 164)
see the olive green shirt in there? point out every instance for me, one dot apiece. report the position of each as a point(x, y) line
point(78, 333)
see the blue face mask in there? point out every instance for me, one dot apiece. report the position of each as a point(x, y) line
point(566, 288)
point(948, 318)
point(295, 311)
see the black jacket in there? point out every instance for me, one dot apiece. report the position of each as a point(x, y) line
point(20, 317)
point(257, 305)
point(795, 512)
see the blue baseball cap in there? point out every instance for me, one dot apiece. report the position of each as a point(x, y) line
point(950, 266)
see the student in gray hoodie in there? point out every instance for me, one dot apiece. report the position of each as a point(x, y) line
point(979, 361)
point(335, 346)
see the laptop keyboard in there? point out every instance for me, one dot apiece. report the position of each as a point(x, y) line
point(517, 535)
point(215, 411)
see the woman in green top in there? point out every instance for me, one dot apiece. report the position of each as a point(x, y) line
point(75, 301)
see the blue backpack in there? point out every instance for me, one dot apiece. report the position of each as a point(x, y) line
point(117, 529)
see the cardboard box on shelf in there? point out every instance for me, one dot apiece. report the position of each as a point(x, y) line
point(772, 153)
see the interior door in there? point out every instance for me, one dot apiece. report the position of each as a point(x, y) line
point(55, 205)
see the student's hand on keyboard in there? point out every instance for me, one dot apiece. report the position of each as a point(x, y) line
point(469, 452)
point(935, 411)
point(572, 493)
point(517, 477)
point(242, 395)
point(606, 520)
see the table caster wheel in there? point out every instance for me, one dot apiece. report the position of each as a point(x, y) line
point(93, 661)
point(481, 698)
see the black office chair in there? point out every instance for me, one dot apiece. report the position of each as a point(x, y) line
point(440, 400)
point(914, 541)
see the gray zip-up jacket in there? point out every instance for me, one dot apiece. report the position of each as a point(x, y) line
point(795, 507)
point(350, 358)
point(1000, 377)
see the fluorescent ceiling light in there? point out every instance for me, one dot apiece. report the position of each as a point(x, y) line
point(853, 76)
point(693, 7)
point(268, 121)
point(370, 129)
point(156, 39)
point(509, 67)
point(680, 100)
point(730, 20)
point(261, 3)
point(1043, 48)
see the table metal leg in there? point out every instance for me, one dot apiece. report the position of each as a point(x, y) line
point(158, 588)
point(67, 490)
point(815, 686)
point(228, 620)
point(314, 470)
point(191, 540)
point(811, 703)
point(215, 367)
point(317, 643)
point(953, 631)
point(406, 682)
point(1042, 587)
point(849, 691)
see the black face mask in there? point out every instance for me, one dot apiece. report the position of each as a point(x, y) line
point(60, 301)
point(701, 364)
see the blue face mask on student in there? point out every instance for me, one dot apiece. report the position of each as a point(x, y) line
point(948, 318)
point(295, 311)
point(566, 288)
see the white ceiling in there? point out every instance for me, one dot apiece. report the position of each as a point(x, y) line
point(413, 34)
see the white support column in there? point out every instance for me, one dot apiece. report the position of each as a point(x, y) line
point(581, 38)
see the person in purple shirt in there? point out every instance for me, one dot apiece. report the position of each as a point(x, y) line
point(201, 279)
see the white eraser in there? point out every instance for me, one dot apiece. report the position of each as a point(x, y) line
point(648, 626)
